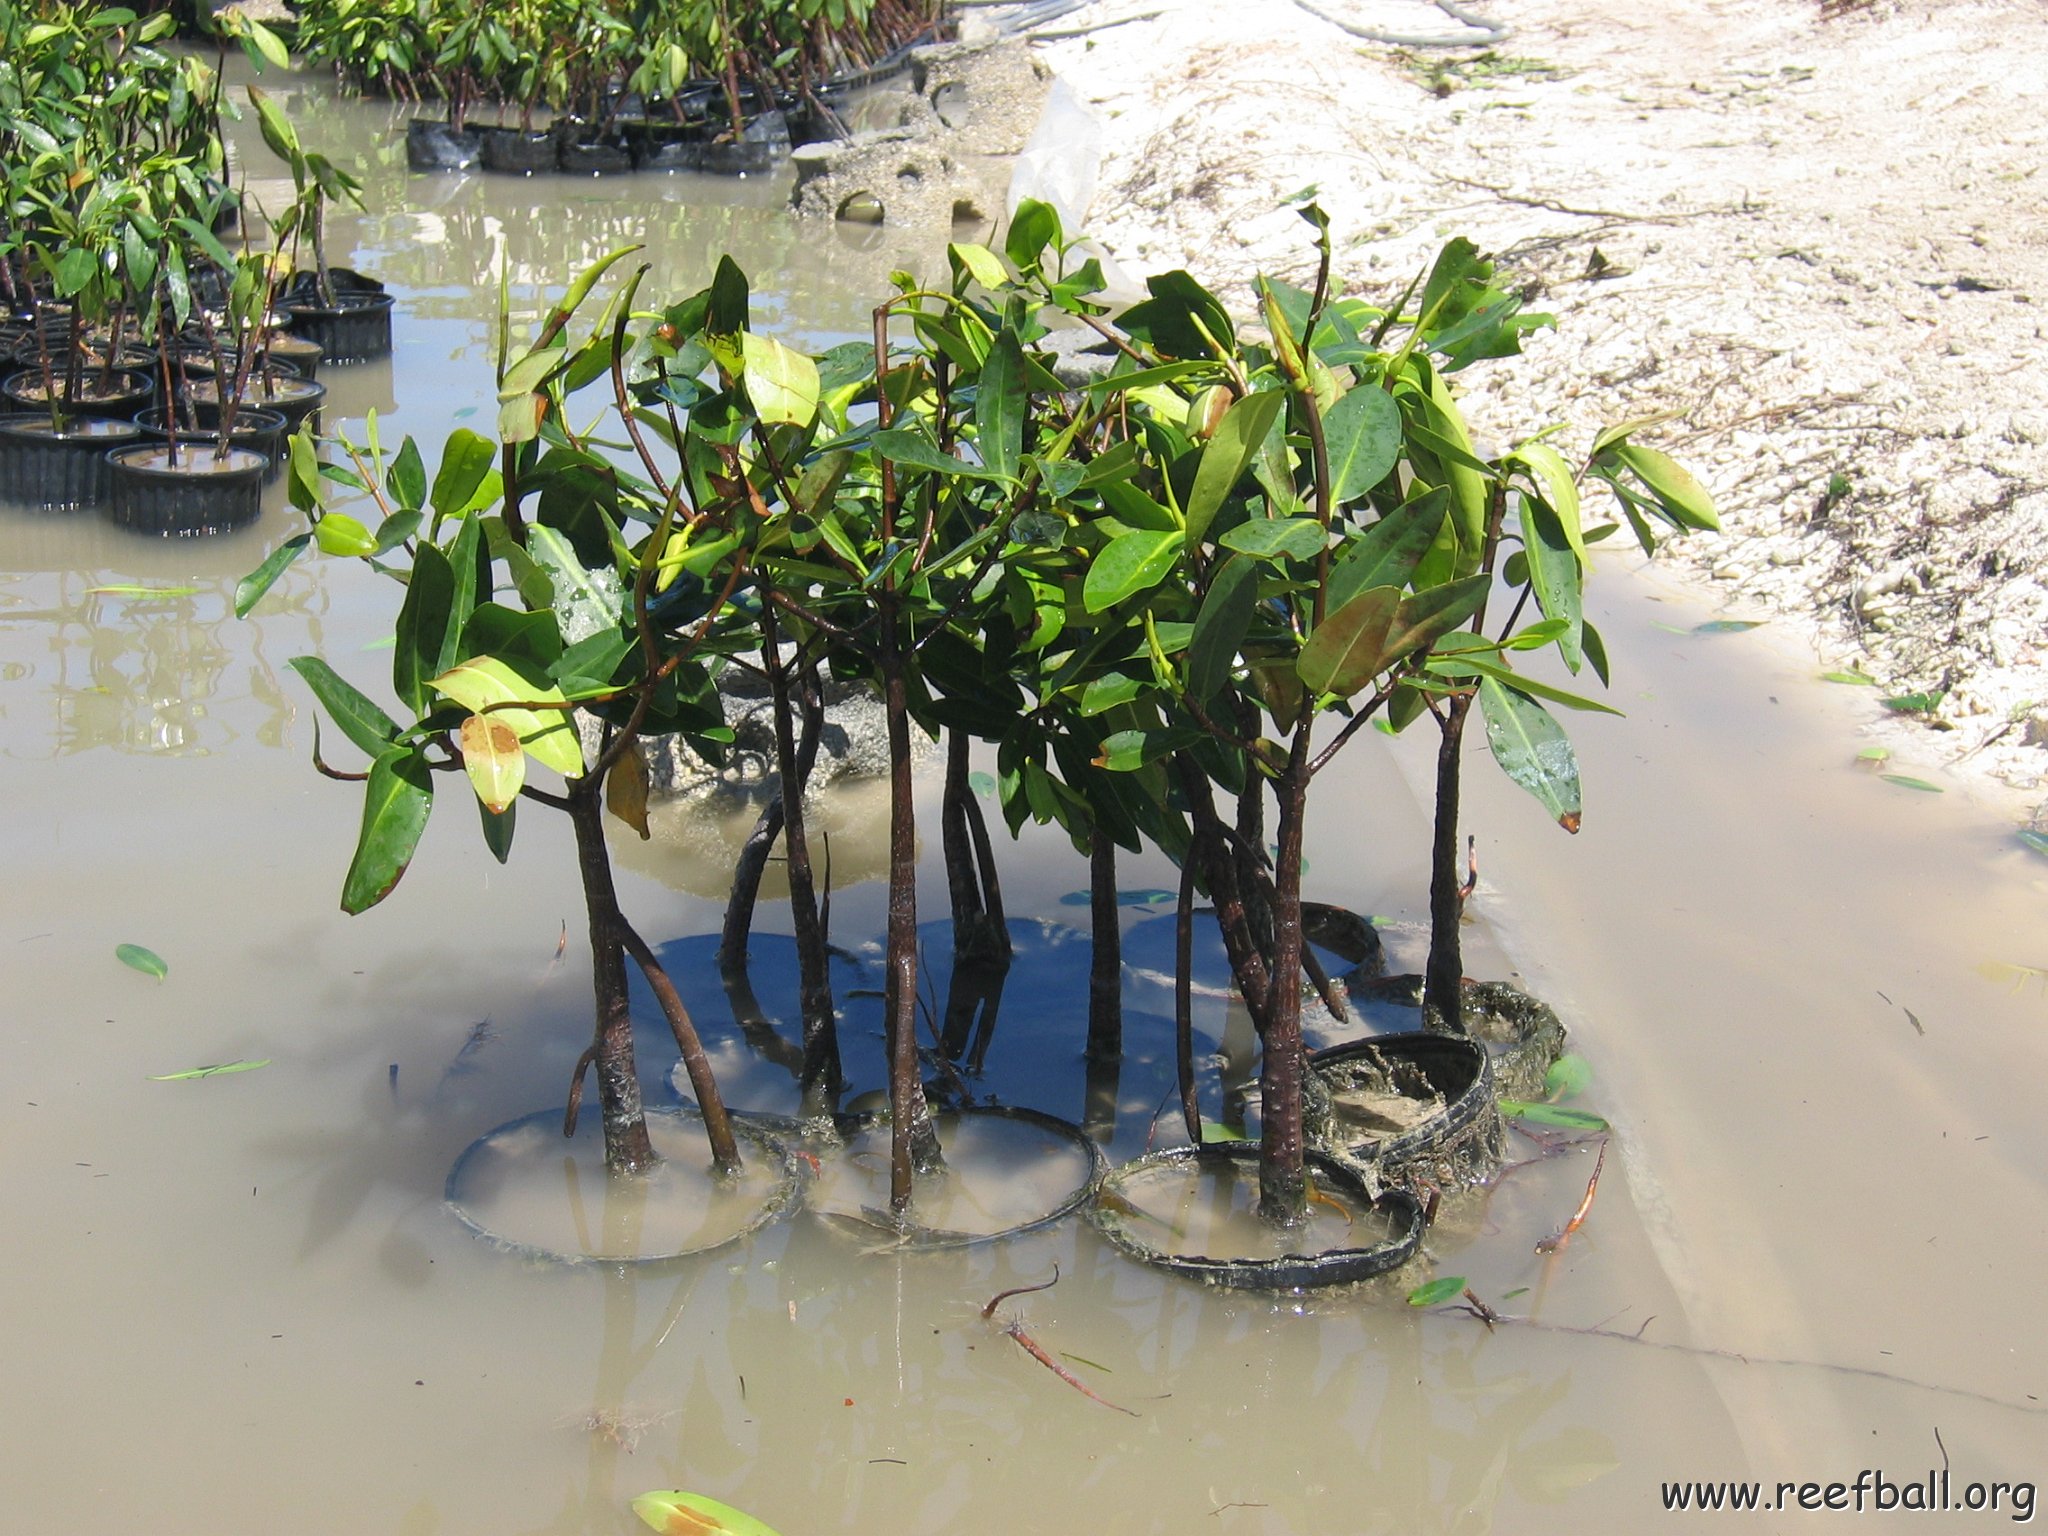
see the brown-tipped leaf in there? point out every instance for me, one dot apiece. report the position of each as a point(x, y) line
point(493, 759)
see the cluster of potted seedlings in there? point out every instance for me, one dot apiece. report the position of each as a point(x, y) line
point(152, 359)
point(1163, 600)
point(598, 88)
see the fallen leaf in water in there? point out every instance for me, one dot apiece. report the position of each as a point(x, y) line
point(1859, 679)
point(691, 1514)
point(1914, 703)
point(147, 961)
point(1728, 626)
point(2019, 975)
point(1443, 1288)
point(1567, 1077)
point(1552, 1114)
point(217, 1071)
point(2038, 841)
point(121, 589)
point(1874, 754)
point(1907, 781)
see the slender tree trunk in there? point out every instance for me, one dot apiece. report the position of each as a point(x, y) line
point(913, 1145)
point(1105, 973)
point(814, 986)
point(710, 1104)
point(1443, 977)
point(1219, 867)
point(626, 1147)
point(980, 934)
point(746, 887)
point(1283, 1180)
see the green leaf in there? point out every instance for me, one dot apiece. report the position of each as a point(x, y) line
point(1560, 491)
point(1267, 538)
point(1220, 626)
point(1915, 703)
point(1728, 626)
point(361, 721)
point(980, 263)
point(396, 802)
point(340, 534)
point(267, 43)
point(525, 376)
point(1874, 754)
point(781, 382)
point(1349, 648)
point(1443, 1288)
point(1907, 781)
point(2038, 841)
point(1214, 1132)
point(1032, 227)
point(1227, 455)
point(498, 829)
point(1432, 613)
point(250, 589)
point(424, 620)
point(493, 759)
point(277, 129)
point(1682, 499)
point(1552, 1114)
point(1106, 692)
point(220, 1071)
point(1568, 1077)
point(1456, 264)
point(691, 1514)
point(147, 961)
point(465, 460)
point(1389, 551)
point(1362, 433)
point(1853, 677)
point(408, 477)
point(902, 445)
point(1130, 562)
point(1001, 403)
point(1555, 575)
point(1465, 665)
point(483, 681)
point(1532, 750)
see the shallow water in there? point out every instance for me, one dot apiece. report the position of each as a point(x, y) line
point(239, 1304)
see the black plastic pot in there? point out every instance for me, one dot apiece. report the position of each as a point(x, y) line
point(519, 152)
point(58, 471)
point(202, 493)
point(301, 353)
point(1294, 1271)
point(133, 391)
point(1459, 1143)
point(355, 330)
point(293, 399)
point(260, 430)
point(434, 146)
point(596, 157)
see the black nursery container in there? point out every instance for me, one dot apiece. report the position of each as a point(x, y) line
point(204, 493)
point(59, 471)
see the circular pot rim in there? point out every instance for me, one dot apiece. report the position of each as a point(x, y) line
point(1429, 1051)
point(1288, 1272)
point(787, 1195)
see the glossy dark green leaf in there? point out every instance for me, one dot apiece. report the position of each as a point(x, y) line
point(903, 445)
point(1442, 1289)
point(137, 958)
point(727, 315)
point(1033, 227)
point(1349, 648)
point(425, 620)
point(1182, 319)
point(1362, 433)
point(1130, 563)
point(361, 721)
point(1220, 626)
point(1268, 538)
point(1000, 406)
point(498, 829)
point(1425, 616)
point(396, 802)
point(1468, 665)
point(408, 477)
point(250, 589)
point(1108, 691)
point(1532, 750)
point(1227, 455)
point(1555, 575)
point(1386, 554)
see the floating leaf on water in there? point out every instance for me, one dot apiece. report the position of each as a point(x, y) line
point(691, 1514)
point(1520, 1290)
point(1213, 1132)
point(1669, 629)
point(1915, 703)
point(2038, 841)
point(147, 961)
point(1852, 676)
point(1874, 754)
point(1728, 626)
point(1552, 1114)
point(1567, 1077)
point(1907, 781)
point(126, 589)
point(1443, 1288)
point(216, 1071)
point(1140, 898)
point(2012, 971)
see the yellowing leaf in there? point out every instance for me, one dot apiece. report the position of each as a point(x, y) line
point(216, 1071)
point(493, 759)
point(625, 792)
point(484, 681)
point(782, 382)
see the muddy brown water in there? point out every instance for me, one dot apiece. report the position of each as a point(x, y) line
point(239, 1303)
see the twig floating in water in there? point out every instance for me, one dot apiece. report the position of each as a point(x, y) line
point(1557, 1242)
